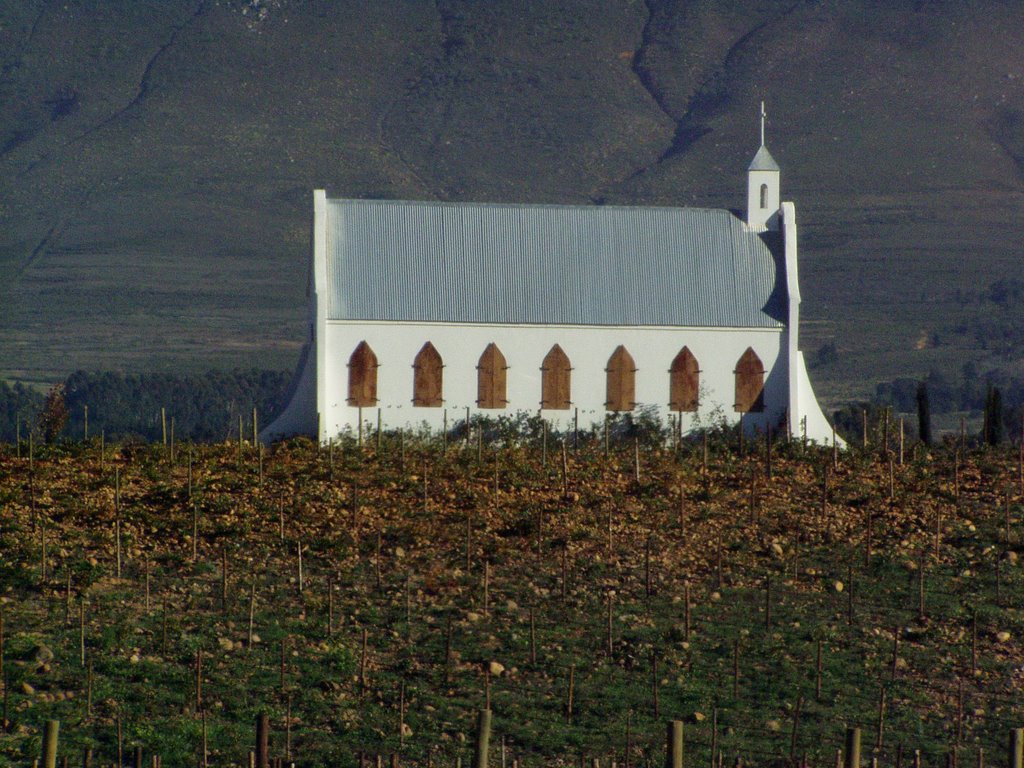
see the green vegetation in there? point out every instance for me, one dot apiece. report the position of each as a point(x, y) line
point(661, 588)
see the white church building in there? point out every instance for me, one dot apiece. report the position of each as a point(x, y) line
point(420, 312)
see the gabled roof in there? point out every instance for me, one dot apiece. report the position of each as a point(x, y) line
point(763, 161)
point(545, 264)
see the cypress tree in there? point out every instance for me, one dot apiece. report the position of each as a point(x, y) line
point(994, 416)
point(924, 414)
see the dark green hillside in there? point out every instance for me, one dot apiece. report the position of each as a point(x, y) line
point(156, 158)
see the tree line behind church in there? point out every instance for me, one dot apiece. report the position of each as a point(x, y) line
point(207, 406)
point(204, 407)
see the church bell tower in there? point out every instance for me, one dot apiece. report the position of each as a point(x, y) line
point(763, 188)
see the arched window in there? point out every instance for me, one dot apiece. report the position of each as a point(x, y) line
point(764, 195)
point(362, 377)
point(684, 382)
point(427, 378)
point(621, 388)
point(555, 380)
point(490, 378)
point(749, 383)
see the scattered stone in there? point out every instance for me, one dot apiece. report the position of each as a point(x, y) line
point(496, 668)
point(43, 655)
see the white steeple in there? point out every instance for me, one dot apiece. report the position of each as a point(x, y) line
point(763, 188)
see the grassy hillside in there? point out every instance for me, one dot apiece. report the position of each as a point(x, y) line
point(770, 602)
point(156, 158)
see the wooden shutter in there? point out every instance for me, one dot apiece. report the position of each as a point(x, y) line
point(490, 378)
point(427, 378)
point(555, 380)
point(362, 377)
point(621, 389)
point(684, 382)
point(749, 383)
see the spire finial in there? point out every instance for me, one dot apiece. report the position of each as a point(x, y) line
point(763, 116)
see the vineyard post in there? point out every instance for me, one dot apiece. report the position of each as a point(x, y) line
point(611, 642)
point(163, 426)
point(544, 443)
point(654, 684)
point(686, 611)
point(379, 429)
point(483, 738)
point(974, 642)
point(881, 718)
point(571, 692)
point(817, 672)
point(735, 669)
point(920, 588)
point(255, 427)
point(81, 628)
point(50, 732)
point(252, 611)
point(85, 437)
point(137, 757)
point(852, 752)
point(448, 649)
point(835, 449)
point(1016, 756)
point(533, 635)
point(674, 746)
point(262, 728)
point(359, 432)
point(895, 652)
point(796, 725)
point(901, 441)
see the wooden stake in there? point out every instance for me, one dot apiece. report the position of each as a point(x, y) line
point(252, 612)
point(569, 698)
point(533, 636)
point(817, 672)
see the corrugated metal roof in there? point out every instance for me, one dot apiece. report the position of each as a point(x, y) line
point(571, 265)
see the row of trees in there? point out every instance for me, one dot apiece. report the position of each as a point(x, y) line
point(203, 406)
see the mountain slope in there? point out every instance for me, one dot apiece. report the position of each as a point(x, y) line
point(156, 158)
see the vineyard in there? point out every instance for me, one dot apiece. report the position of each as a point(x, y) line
point(371, 597)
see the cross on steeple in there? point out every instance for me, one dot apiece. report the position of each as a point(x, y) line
point(763, 116)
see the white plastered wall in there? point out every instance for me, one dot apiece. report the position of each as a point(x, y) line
point(524, 347)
